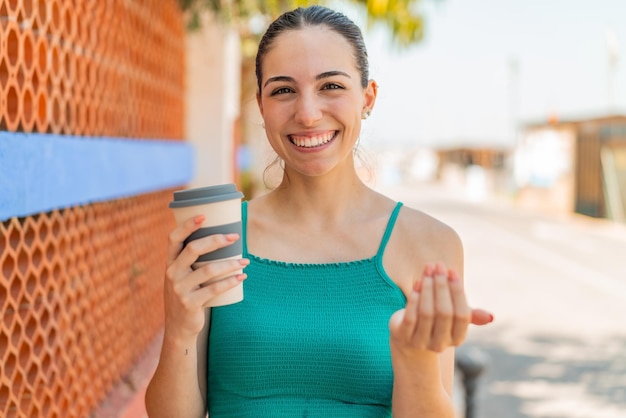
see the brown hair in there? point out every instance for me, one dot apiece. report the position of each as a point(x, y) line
point(315, 16)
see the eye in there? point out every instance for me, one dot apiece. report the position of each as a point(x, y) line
point(332, 86)
point(281, 90)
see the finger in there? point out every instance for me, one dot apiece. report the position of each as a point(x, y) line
point(216, 270)
point(395, 322)
point(179, 234)
point(409, 321)
point(194, 249)
point(405, 321)
point(429, 270)
point(425, 312)
point(207, 293)
point(187, 288)
point(481, 317)
point(444, 311)
point(462, 311)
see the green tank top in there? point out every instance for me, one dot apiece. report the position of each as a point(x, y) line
point(308, 340)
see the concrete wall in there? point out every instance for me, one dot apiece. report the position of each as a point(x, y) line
point(213, 62)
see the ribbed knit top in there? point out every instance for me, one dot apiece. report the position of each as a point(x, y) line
point(308, 340)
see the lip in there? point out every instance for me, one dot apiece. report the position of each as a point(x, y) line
point(312, 141)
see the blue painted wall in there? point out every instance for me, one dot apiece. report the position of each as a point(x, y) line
point(39, 173)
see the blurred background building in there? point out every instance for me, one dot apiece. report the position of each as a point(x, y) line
point(574, 165)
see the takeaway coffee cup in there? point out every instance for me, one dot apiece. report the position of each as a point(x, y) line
point(221, 207)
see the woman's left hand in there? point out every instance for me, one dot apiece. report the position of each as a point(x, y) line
point(436, 315)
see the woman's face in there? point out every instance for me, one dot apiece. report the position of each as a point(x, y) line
point(312, 100)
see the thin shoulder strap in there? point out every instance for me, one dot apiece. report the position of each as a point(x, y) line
point(244, 225)
point(389, 229)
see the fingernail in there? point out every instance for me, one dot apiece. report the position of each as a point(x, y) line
point(198, 219)
point(428, 270)
point(491, 318)
point(232, 237)
point(244, 261)
point(241, 277)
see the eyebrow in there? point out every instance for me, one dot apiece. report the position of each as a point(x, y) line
point(321, 76)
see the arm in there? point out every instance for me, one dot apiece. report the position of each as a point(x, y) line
point(178, 387)
point(423, 357)
point(423, 335)
point(418, 389)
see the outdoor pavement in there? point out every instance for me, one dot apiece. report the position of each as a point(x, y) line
point(557, 288)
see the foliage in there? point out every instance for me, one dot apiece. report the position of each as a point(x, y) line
point(402, 17)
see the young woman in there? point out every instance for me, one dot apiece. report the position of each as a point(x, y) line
point(353, 302)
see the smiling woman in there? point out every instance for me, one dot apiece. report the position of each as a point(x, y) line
point(312, 97)
point(353, 302)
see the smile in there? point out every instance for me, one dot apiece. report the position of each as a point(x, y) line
point(312, 141)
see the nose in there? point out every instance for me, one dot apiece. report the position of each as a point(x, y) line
point(308, 109)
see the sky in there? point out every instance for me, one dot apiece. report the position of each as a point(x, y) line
point(487, 67)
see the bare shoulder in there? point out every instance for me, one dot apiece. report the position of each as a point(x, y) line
point(419, 226)
point(419, 239)
point(259, 211)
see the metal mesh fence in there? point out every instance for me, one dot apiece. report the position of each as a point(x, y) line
point(80, 295)
point(85, 67)
point(80, 287)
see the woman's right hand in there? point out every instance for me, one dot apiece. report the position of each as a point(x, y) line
point(187, 291)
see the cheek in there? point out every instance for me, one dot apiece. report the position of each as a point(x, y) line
point(274, 114)
point(272, 132)
point(347, 107)
point(349, 115)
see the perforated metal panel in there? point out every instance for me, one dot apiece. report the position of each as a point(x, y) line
point(81, 298)
point(80, 287)
point(83, 67)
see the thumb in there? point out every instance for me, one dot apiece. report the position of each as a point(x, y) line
point(481, 317)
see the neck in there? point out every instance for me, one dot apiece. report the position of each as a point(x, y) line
point(326, 198)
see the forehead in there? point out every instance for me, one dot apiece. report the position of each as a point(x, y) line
point(309, 51)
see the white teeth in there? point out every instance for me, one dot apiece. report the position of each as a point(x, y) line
point(312, 141)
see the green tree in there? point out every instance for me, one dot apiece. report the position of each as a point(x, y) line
point(403, 18)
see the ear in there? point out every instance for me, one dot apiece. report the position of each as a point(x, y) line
point(371, 91)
